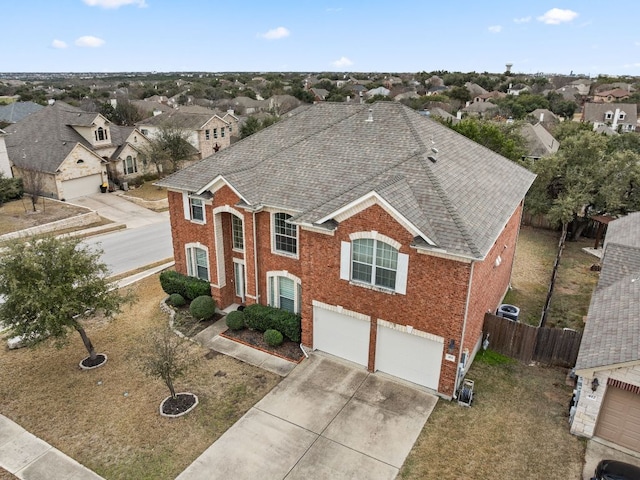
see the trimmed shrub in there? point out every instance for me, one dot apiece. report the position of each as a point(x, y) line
point(273, 338)
point(189, 287)
point(262, 318)
point(202, 307)
point(235, 320)
point(176, 300)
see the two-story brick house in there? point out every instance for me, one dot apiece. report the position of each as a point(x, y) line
point(389, 233)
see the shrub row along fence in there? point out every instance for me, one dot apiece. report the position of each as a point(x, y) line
point(550, 346)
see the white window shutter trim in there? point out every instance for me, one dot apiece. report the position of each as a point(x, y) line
point(402, 273)
point(345, 261)
point(186, 206)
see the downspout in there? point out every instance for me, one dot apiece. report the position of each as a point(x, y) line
point(255, 255)
point(464, 328)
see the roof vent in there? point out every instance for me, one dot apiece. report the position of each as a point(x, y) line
point(432, 158)
point(370, 118)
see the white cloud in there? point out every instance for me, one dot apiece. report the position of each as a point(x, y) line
point(59, 44)
point(89, 41)
point(556, 16)
point(495, 28)
point(342, 62)
point(522, 20)
point(114, 3)
point(276, 34)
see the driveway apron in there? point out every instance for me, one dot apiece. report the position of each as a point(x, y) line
point(119, 210)
point(326, 420)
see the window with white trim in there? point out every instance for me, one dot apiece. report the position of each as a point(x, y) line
point(130, 165)
point(196, 206)
point(215, 133)
point(207, 134)
point(198, 262)
point(371, 259)
point(608, 115)
point(284, 292)
point(236, 230)
point(285, 235)
point(101, 134)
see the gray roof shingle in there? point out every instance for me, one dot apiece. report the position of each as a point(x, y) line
point(612, 332)
point(323, 157)
point(16, 111)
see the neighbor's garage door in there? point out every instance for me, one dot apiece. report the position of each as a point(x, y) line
point(345, 336)
point(79, 187)
point(619, 419)
point(409, 356)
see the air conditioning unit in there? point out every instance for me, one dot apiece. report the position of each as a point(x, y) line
point(508, 311)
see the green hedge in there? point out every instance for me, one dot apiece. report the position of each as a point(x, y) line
point(273, 338)
point(235, 320)
point(203, 307)
point(263, 318)
point(189, 287)
point(176, 300)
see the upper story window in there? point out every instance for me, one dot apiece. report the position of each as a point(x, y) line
point(222, 132)
point(215, 133)
point(608, 116)
point(285, 235)
point(622, 115)
point(207, 134)
point(236, 230)
point(374, 259)
point(198, 261)
point(101, 134)
point(193, 207)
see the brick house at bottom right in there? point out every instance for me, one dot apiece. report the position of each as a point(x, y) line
point(391, 234)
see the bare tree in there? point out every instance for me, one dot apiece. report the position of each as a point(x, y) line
point(33, 181)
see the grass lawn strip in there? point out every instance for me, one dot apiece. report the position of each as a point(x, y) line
point(148, 191)
point(517, 427)
point(118, 436)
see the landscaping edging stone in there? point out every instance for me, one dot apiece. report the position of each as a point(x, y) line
point(72, 222)
point(83, 367)
point(176, 415)
point(155, 205)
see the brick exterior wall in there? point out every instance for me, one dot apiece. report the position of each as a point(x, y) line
point(436, 296)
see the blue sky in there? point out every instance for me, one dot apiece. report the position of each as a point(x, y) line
point(281, 35)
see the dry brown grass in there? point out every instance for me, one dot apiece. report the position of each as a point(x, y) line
point(517, 428)
point(148, 191)
point(4, 475)
point(118, 436)
point(535, 254)
point(18, 214)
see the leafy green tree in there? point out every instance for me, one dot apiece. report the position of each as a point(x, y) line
point(49, 285)
point(499, 137)
point(459, 93)
point(10, 188)
point(253, 125)
point(125, 113)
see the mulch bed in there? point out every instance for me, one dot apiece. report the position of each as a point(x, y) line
point(288, 350)
point(180, 404)
point(88, 362)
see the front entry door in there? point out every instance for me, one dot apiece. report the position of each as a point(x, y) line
point(238, 269)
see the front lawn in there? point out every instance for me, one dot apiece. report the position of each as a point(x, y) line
point(148, 191)
point(108, 418)
point(517, 427)
point(18, 214)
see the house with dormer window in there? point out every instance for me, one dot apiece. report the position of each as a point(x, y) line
point(618, 117)
point(390, 234)
point(75, 152)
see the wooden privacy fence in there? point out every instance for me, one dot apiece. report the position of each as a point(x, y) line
point(551, 346)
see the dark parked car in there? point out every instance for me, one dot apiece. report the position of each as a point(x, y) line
point(614, 470)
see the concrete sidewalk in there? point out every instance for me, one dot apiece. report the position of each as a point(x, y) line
point(29, 458)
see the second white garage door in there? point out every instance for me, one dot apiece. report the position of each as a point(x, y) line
point(79, 187)
point(343, 334)
point(416, 356)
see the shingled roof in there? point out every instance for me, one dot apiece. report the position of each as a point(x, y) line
point(612, 331)
point(328, 156)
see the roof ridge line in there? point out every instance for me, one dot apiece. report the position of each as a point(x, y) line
point(441, 192)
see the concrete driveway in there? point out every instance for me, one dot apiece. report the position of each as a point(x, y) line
point(599, 449)
point(119, 210)
point(326, 420)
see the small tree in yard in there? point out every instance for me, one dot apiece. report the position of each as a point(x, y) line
point(33, 181)
point(49, 285)
point(168, 357)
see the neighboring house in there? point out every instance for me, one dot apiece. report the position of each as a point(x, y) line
point(74, 151)
point(378, 91)
point(517, 89)
point(249, 105)
point(544, 116)
point(611, 96)
point(389, 233)
point(16, 111)
point(582, 86)
point(485, 97)
point(539, 142)
point(620, 117)
point(570, 92)
point(481, 109)
point(475, 89)
point(319, 94)
point(608, 363)
point(206, 132)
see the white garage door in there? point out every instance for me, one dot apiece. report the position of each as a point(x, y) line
point(409, 356)
point(79, 187)
point(345, 336)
